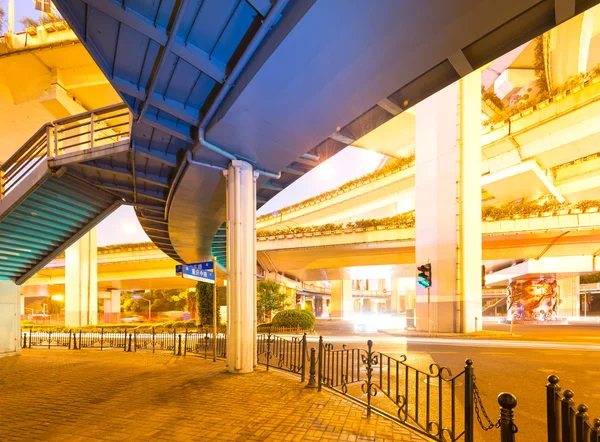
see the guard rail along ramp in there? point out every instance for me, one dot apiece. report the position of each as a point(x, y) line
point(47, 199)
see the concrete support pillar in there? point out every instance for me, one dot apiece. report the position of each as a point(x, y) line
point(568, 290)
point(448, 207)
point(342, 304)
point(396, 294)
point(112, 307)
point(10, 325)
point(81, 281)
point(241, 266)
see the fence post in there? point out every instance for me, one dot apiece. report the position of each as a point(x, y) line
point(508, 429)
point(24, 340)
point(69, 339)
point(179, 350)
point(174, 341)
point(313, 370)
point(74, 340)
point(92, 130)
point(469, 374)
point(129, 347)
point(153, 339)
point(567, 427)
point(55, 141)
point(595, 432)
point(125, 340)
point(101, 338)
point(552, 407)
point(30, 330)
point(48, 143)
point(581, 429)
point(79, 339)
point(304, 356)
point(49, 337)
point(320, 373)
point(370, 360)
point(135, 340)
point(268, 348)
point(2, 183)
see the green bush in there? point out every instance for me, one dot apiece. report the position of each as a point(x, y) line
point(294, 318)
point(264, 327)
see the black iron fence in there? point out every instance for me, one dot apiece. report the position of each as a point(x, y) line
point(434, 402)
point(179, 342)
point(567, 423)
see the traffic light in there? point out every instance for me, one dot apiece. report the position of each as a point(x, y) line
point(424, 276)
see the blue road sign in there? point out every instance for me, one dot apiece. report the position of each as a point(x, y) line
point(198, 271)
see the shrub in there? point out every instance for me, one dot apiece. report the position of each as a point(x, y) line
point(294, 318)
point(264, 327)
point(392, 166)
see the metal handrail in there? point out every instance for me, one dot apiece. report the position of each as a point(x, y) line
point(57, 138)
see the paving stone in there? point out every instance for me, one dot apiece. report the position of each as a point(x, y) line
point(110, 395)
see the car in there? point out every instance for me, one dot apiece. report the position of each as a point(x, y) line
point(132, 319)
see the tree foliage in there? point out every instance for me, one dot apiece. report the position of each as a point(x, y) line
point(403, 220)
point(2, 16)
point(295, 318)
point(204, 298)
point(162, 300)
point(269, 298)
point(392, 166)
point(591, 278)
point(46, 17)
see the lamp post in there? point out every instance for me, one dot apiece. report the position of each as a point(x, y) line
point(149, 305)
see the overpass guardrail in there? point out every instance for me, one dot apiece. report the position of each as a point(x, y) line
point(87, 130)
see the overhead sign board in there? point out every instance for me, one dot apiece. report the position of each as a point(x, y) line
point(198, 271)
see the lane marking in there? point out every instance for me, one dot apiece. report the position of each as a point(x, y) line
point(494, 353)
point(442, 352)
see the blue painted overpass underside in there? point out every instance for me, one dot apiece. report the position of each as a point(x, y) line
point(314, 83)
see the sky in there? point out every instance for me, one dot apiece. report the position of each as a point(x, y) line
point(23, 8)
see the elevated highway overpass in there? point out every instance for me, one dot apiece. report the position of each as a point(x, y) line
point(549, 150)
point(219, 87)
point(336, 254)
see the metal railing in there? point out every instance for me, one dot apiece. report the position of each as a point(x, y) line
point(433, 402)
point(67, 135)
point(567, 423)
point(286, 354)
point(425, 401)
point(179, 342)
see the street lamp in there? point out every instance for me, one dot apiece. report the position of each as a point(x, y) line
point(149, 305)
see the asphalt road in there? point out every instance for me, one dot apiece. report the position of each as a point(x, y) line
point(519, 365)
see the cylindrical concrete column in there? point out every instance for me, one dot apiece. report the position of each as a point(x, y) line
point(10, 325)
point(241, 267)
point(81, 281)
point(342, 304)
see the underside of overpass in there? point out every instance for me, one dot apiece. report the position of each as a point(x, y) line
point(241, 86)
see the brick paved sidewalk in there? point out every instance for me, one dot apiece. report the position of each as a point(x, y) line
point(92, 395)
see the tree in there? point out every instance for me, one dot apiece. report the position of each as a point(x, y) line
point(2, 15)
point(162, 300)
point(269, 298)
point(204, 298)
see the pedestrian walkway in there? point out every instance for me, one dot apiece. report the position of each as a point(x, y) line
point(108, 395)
